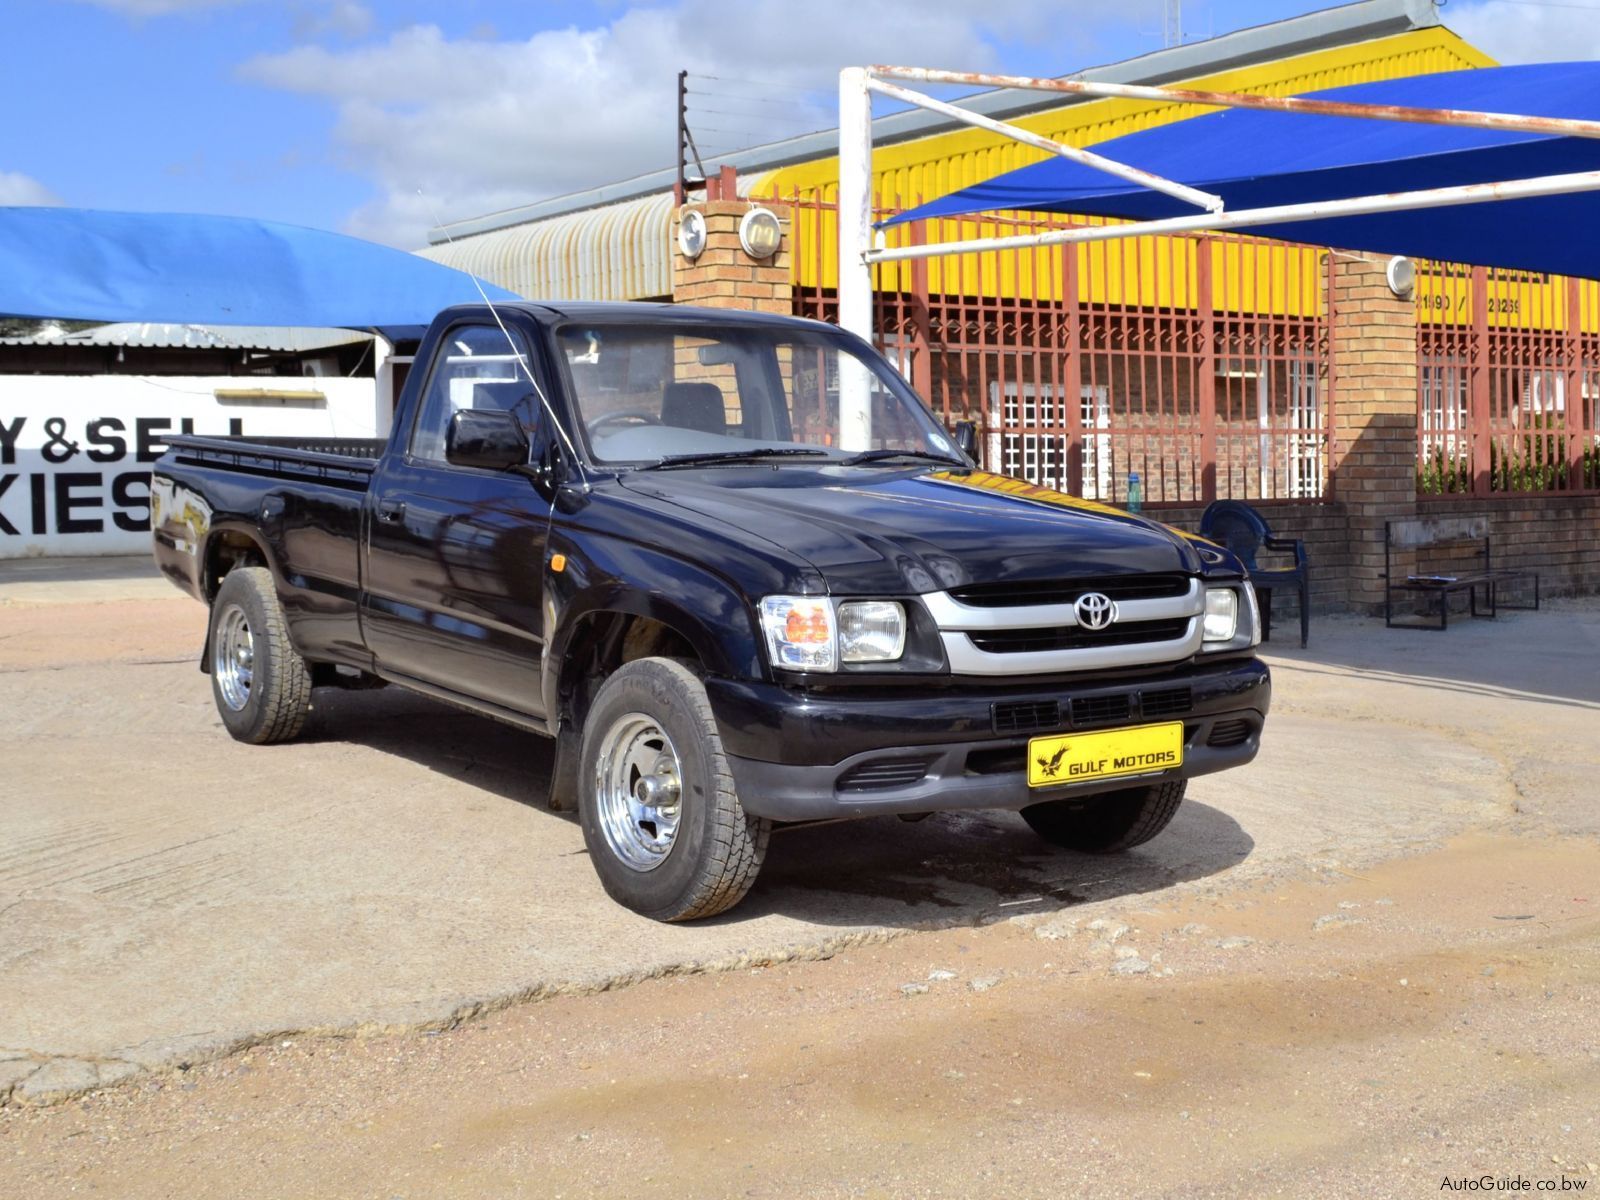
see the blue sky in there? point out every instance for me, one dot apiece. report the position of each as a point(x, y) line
point(372, 117)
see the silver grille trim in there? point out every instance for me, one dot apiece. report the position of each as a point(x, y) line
point(950, 614)
point(956, 620)
point(967, 659)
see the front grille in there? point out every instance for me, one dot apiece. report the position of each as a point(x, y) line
point(1169, 703)
point(883, 773)
point(1076, 637)
point(1098, 710)
point(1067, 591)
point(1023, 716)
point(1233, 732)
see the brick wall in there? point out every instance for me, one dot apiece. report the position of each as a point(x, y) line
point(1558, 536)
point(724, 276)
point(1373, 337)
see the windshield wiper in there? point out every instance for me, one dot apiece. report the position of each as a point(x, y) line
point(754, 454)
point(872, 456)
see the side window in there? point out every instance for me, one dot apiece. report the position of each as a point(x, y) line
point(474, 367)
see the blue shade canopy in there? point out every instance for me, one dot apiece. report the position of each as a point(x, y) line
point(1256, 159)
point(81, 264)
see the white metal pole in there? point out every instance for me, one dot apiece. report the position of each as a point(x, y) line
point(855, 240)
point(1445, 197)
point(383, 397)
point(1088, 158)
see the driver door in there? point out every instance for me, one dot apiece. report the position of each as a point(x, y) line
point(455, 555)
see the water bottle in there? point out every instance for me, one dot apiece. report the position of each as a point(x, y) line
point(1135, 492)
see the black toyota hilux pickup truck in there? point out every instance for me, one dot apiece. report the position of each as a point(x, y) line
point(738, 571)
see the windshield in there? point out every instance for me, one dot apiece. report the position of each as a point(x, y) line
point(665, 393)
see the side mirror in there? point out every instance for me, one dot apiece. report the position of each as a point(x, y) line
point(488, 438)
point(967, 438)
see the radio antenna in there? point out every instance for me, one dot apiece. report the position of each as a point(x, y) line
point(516, 352)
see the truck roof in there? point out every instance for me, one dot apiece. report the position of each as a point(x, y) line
point(551, 312)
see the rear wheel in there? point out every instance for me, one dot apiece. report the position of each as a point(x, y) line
point(663, 824)
point(260, 683)
point(1110, 822)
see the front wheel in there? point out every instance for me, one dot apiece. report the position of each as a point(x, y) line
point(259, 681)
point(663, 824)
point(1110, 822)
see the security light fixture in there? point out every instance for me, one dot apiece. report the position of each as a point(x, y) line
point(692, 234)
point(1402, 276)
point(760, 232)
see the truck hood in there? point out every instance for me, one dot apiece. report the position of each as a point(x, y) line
point(884, 531)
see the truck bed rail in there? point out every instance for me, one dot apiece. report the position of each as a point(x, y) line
point(347, 462)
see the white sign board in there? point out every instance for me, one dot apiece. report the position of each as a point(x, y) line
point(75, 450)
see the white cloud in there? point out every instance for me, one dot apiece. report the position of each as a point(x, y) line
point(344, 18)
point(158, 8)
point(19, 189)
point(478, 125)
point(1522, 33)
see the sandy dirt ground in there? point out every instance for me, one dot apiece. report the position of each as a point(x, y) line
point(373, 965)
point(1377, 1034)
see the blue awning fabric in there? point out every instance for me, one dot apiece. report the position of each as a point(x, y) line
point(81, 264)
point(1255, 159)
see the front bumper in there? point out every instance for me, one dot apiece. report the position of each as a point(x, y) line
point(802, 755)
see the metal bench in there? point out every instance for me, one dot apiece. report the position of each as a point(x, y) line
point(1480, 578)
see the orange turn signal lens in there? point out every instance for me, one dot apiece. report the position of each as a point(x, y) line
point(806, 628)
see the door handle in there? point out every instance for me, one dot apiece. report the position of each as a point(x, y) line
point(392, 512)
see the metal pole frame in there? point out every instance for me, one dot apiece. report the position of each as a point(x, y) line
point(856, 252)
point(1558, 126)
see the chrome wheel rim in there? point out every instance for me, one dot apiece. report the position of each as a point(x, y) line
point(638, 791)
point(233, 658)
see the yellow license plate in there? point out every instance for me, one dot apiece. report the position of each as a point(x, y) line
point(1080, 757)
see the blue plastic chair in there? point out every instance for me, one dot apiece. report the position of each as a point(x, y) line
point(1234, 524)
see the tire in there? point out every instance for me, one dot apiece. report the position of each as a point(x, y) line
point(1108, 823)
point(650, 737)
point(260, 683)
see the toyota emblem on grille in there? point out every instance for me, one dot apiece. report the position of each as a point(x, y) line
point(1095, 610)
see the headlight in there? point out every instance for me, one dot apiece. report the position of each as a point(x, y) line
point(807, 633)
point(1222, 615)
point(1224, 626)
point(871, 631)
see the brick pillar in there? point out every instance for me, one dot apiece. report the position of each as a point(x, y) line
point(1374, 456)
point(724, 276)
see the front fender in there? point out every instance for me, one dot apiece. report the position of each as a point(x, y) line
point(601, 575)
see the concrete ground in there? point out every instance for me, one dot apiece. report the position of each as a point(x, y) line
point(168, 895)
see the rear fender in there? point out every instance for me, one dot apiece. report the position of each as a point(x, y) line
point(225, 547)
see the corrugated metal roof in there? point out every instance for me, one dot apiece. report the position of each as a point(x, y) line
point(1344, 25)
point(616, 252)
point(160, 336)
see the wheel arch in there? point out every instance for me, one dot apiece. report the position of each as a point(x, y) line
point(226, 548)
point(627, 627)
